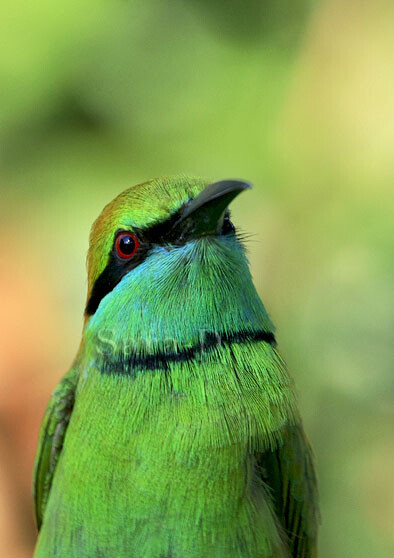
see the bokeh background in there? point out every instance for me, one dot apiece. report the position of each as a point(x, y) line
point(296, 96)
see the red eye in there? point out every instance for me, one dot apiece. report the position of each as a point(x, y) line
point(126, 245)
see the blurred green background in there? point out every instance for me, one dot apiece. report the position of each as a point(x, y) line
point(296, 96)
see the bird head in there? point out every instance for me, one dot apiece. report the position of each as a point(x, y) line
point(164, 257)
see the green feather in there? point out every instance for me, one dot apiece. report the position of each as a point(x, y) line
point(200, 455)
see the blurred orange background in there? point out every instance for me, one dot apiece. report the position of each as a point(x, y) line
point(296, 96)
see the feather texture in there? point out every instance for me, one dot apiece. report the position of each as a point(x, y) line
point(202, 456)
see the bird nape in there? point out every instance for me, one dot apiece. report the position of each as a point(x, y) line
point(175, 434)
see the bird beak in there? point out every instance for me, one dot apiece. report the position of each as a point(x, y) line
point(204, 215)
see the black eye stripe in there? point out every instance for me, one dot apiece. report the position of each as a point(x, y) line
point(113, 273)
point(118, 267)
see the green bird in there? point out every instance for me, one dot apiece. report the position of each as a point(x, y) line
point(175, 434)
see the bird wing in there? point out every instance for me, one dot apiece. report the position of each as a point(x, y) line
point(289, 472)
point(51, 438)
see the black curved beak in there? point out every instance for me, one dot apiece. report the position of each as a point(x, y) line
point(205, 214)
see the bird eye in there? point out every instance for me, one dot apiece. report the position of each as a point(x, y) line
point(126, 245)
point(228, 226)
